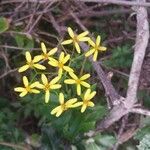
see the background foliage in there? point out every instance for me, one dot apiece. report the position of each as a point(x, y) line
point(26, 122)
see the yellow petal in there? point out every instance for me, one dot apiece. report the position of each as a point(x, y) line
point(23, 94)
point(66, 42)
point(25, 81)
point(59, 112)
point(77, 104)
point(77, 47)
point(71, 33)
point(61, 56)
point(84, 39)
point(53, 62)
point(39, 66)
point(83, 34)
point(66, 59)
point(56, 79)
point(43, 48)
point(91, 95)
point(90, 104)
point(87, 94)
point(85, 84)
point(23, 68)
point(55, 86)
point(44, 79)
point(98, 40)
point(47, 95)
point(84, 77)
point(40, 86)
point(19, 89)
point(68, 69)
point(78, 89)
point(91, 42)
point(83, 108)
point(70, 102)
point(37, 58)
point(54, 111)
point(102, 48)
point(34, 91)
point(61, 98)
point(60, 71)
point(90, 52)
point(70, 81)
point(28, 57)
point(35, 84)
point(73, 75)
point(95, 55)
point(52, 51)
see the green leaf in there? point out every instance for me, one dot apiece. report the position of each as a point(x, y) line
point(24, 41)
point(144, 143)
point(4, 24)
point(142, 132)
point(121, 57)
point(91, 145)
point(105, 140)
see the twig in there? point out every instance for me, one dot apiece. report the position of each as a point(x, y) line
point(17, 48)
point(121, 129)
point(120, 2)
point(28, 1)
point(13, 146)
point(39, 17)
point(140, 111)
point(8, 72)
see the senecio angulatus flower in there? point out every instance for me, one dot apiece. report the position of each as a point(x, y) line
point(47, 86)
point(96, 47)
point(45, 55)
point(78, 81)
point(57, 80)
point(31, 63)
point(86, 101)
point(28, 88)
point(63, 105)
point(75, 39)
point(60, 63)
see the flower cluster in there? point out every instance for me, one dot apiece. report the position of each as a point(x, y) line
point(65, 74)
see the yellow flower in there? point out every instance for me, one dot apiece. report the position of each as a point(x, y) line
point(86, 100)
point(61, 63)
point(45, 55)
point(48, 86)
point(28, 88)
point(95, 48)
point(63, 105)
point(75, 39)
point(31, 63)
point(78, 81)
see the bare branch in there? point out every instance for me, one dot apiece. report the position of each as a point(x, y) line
point(140, 111)
point(120, 2)
point(140, 47)
point(142, 37)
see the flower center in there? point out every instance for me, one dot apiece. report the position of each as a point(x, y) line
point(75, 39)
point(47, 87)
point(96, 47)
point(60, 65)
point(45, 56)
point(30, 64)
point(85, 102)
point(63, 107)
point(28, 88)
point(78, 81)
